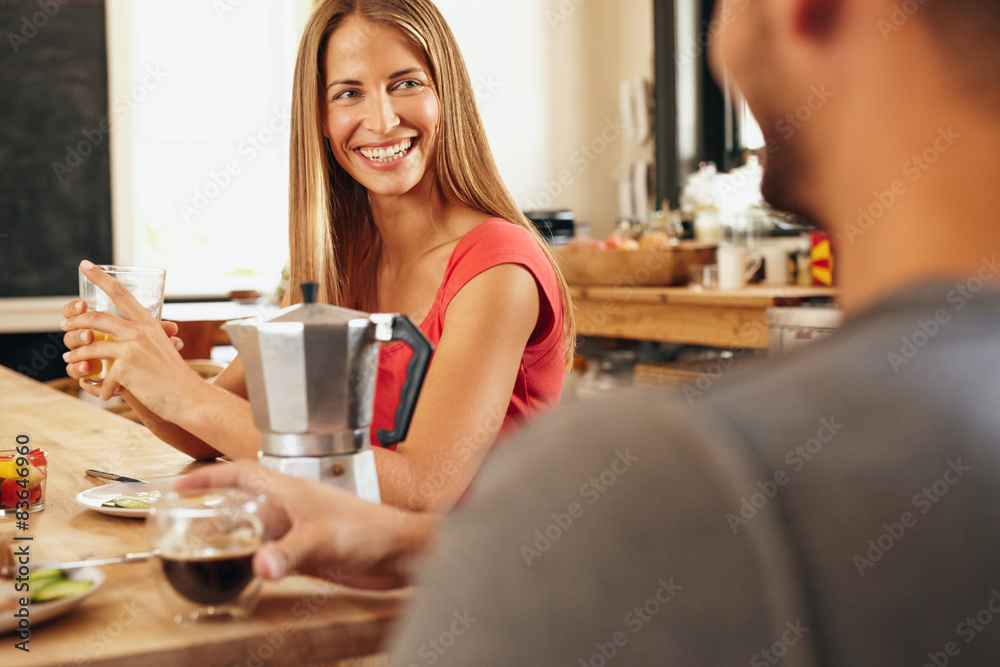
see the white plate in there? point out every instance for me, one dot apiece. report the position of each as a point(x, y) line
point(93, 498)
point(44, 611)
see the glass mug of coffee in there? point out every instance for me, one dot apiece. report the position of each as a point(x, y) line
point(204, 541)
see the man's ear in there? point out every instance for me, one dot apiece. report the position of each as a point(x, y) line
point(815, 19)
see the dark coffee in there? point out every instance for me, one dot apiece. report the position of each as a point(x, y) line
point(209, 580)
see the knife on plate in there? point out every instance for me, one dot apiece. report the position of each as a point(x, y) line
point(8, 566)
point(90, 562)
point(113, 477)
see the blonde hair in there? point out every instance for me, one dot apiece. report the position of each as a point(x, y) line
point(333, 238)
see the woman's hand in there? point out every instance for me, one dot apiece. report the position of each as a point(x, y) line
point(324, 531)
point(145, 350)
point(79, 337)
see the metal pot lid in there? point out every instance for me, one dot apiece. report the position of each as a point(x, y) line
point(311, 313)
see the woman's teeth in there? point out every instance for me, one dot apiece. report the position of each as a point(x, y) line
point(387, 154)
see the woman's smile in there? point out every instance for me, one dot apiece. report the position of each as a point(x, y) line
point(392, 154)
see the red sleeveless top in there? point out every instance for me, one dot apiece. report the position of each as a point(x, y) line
point(540, 375)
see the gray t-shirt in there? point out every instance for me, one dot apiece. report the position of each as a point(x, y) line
point(839, 506)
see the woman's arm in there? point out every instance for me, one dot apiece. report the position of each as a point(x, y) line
point(466, 392)
point(222, 416)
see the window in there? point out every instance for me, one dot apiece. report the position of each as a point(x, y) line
point(200, 95)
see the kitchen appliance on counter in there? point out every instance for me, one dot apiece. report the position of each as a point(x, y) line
point(310, 373)
point(790, 328)
point(557, 227)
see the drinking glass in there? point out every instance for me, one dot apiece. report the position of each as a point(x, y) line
point(23, 475)
point(204, 541)
point(145, 284)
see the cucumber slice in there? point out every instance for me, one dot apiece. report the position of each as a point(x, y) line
point(138, 501)
point(131, 503)
point(61, 589)
point(36, 577)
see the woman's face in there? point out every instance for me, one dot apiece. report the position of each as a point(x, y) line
point(381, 113)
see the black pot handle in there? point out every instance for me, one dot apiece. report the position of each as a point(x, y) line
point(403, 329)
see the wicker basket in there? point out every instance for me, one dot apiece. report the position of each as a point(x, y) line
point(591, 267)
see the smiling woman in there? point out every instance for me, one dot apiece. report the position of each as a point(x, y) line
point(395, 205)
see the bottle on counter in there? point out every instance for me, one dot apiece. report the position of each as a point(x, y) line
point(803, 260)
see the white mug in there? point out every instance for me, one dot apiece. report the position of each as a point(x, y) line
point(775, 266)
point(736, 266)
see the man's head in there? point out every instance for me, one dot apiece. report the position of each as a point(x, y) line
point(967, 31)
point(831, 81)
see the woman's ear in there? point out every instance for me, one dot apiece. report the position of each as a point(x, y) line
point(816, 18)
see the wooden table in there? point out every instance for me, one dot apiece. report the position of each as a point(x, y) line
point(299, 621)
point(715, 318)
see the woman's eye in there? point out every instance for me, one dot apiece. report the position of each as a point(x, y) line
point(346, 95)
point(408, 85)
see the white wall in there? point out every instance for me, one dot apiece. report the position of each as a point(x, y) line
point(504, 43)
point(548, 72)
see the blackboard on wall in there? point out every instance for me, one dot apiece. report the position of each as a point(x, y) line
point(55, 193)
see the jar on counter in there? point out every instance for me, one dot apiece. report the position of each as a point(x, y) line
point(708, 226)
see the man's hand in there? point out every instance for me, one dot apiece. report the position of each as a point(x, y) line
point(322, 531)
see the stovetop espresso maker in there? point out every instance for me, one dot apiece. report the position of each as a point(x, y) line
point(310, 374)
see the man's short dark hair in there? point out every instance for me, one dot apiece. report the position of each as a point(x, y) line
point(969, 31)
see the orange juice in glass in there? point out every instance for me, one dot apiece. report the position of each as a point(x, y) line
point(145, 284)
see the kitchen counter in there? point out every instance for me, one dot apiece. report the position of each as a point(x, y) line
point(709, 317)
